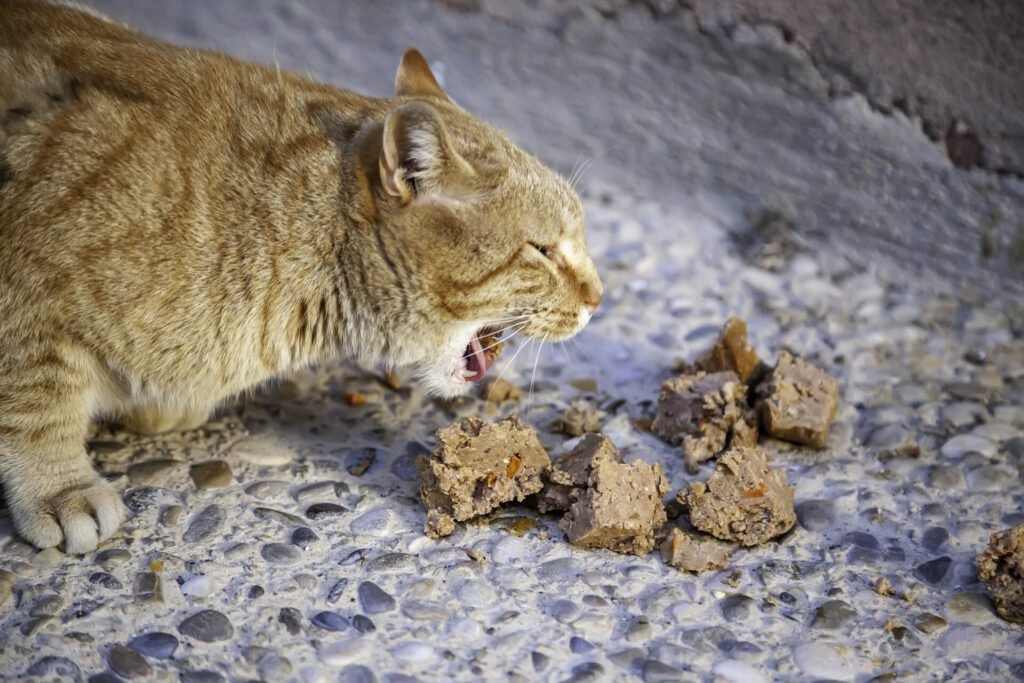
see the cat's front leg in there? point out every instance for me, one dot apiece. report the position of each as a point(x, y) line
point(53, 493)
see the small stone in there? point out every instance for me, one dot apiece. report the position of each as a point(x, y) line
point(374, 599)
point(357, 462)
point(208, 626)
point(320, 490)
point(33, 626)
point(563, 610)
point(46, 605)
point(962, 444)
point(171, 515)
point(401, 563)
point(155, 644)
point(580, 646)
point(933, 571)
point(363, 624)
point(425, 610)
point(148, 588)
point(126, 662)
point(151, 472)
point(414, 653)
point(654, 671)
point(945, 477)
point(585, 385)
point(291, 618)
point(540, 661)
point(969, 391)
point(304, 537)
point(929, 623)
point(281, 553)
point(330, 621)
point(210, 475)
point(143, 498)
point(816, 514)
point(279, 516)
point(735, 607)
point(861, 539)
point(256, 592)
point(201, 676)
point(268, 489)
point(208, 522)
point(263, 451)
point(58, 667)
point(832, 614)
point(336, 591)
point(934, 537)
point(883, 586)
point(639, 631)
point(197, 587)
point(275, 667)
point(325, 510)
point(106, 580)
point(357, 673)
point(238, 551)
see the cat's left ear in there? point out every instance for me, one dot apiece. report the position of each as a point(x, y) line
point(415, 79)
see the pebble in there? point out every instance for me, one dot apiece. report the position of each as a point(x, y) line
point(580, 646)
point(325, 510)
point(274, 668)
point(989, 478)
point(934, 571)
point(563, 610)
point(151, 472)
point(281, 553)
point(330, 621)
point(425, 610)
point(171, 515)
point(817, 660)
point(374, 523)
point(816, 514)
point(945, 478)
point(201, 676)
point(291, 619)
point(238, 551)
point(336, 591)
point(736, 671)
point(112, 558)
point(474, 594)
point(155, 644)
point(60, 668)
point(356, 673)
point(363, 624)
point(304, 537)
point(833, 614)
point(143, 498)
point(929, 623)
point(197, 587)
point(279, 516)
point(268, 489)
point(639, 631)
point(208, 522)
point(320, 490)
point(359, 461)
point(374, 599)
point(401, 563)
point(256, 592)
point(208, 625)
point(735, 607)
point(262, 451)
point(654, 671)
point(586, 672)
point(345, 652)
point(214, 474)
point(128, 663)
point(962, 444)
point(148, 588)
point(414, 653)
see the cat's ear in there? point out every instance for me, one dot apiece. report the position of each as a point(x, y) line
point(416, 155)
point(415, 79)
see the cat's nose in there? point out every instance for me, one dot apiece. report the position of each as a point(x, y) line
point(591, 295)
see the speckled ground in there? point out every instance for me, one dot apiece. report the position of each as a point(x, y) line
point(284, 540)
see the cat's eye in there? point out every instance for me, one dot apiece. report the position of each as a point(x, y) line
point(544, 251)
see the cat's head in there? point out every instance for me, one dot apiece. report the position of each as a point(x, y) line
point(477, 235)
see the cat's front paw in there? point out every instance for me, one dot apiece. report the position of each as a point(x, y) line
point(80, 516)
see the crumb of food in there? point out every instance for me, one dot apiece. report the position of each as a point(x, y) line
point(492, 347)
point(690, 552)
point(500, 390)
point(354, 398)
point(578, 419)
point(883, 586)
point(476, 467)
point(731, 353)
point(1001, 568)
point(706, 413)
point(912, 593)
point(797, 402)
point(608, 503)
point(745, 500)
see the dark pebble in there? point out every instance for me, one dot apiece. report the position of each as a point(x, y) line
point(106, 580)
point(357, 673)
point(292, 619)
point(149, 588)
point(375, 599)
point(126, 662)
point(272, 515)
point(202, 676)
point(142, 498)
point(358, 461)
point(934, 537)
point(392, 562)
point(336, 591)
point(787, 598)
point(933, 571)
point(256, 592)
point(81, 609)
point(816, 514)
point(105, 677)
point(304, 537)
point(209, 521)
point(330, 621)
point(832, 614)
point(540, 661)
point(363, 623)
point(58, 667)
point(862, 540)
point(658, 672)
point(588, 671)
point(281, 553)
point(580, 646)
point(155, 644)
point(208, 626)
point(735, 607)
point(325, 510)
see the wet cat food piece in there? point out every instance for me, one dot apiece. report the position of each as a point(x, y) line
point(707, 414)
point(500, 391)
point(476, 467)
point(693, 553)
point(492, 347)
point(609, 504)
point(1001, 568)
point(578, 419)
point(731, 353)
point(745, 500)
point(797, 402)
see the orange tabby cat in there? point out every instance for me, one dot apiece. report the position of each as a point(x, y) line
point(177, 226)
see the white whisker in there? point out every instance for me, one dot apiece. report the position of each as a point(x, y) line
point(508, 365)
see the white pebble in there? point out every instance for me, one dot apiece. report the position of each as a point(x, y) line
point(738, 672)
point(344, 652)
point(508, 549)
point(962, 444)
point(821, 661)
point(262, 451)
point(374, 523)
point(414, 653)
point(465, 628)
point(475, 594)
point(197, 587)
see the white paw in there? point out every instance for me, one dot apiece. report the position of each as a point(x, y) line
point(80, 516)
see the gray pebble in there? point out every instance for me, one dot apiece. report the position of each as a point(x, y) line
point(321, 490)
point(357, 673)
point(264, 490)
point(208, 522)
point(304, 537)
point(143, 498)
point(208, 626)
point(272, 515)
point(274, 668)
point(213, 474)
point(126, 662)
point(201, 676)
point(595, 601)
point(306, 582)
point(374, 599)
point(654, 671)
point(425, 610)
point(989, 478)
point(256, 592)
point(58, 667)
point(363, 624)
point(155, 644)
point(105, 677)
point(554, 568)
point(934, 571)
point(106, 580)
point(832, 614)
point(580, 646)
point(336, 591)
point(945, 477)
point(171, 515)
point(46, 605)
point(639, 631)
point(816, 514)
point(588, 671)
point(148, 588)
point(934, 537)
point(151, 471)
point(392, 562)
point(861, 539)
point(330, 621)
point(292, 620)
point(325, 510)
point(112, 558)
point(539, 660)
point(281, 553)
point(735, 607)
point(563, 610)
point(360, 460)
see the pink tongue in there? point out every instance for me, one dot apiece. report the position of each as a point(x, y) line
point(478, 359)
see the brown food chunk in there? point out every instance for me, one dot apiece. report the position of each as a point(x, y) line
point(492, 347)
point(1001, 567)
point(475, 467)
point(707, 414)
point(501, 390)
point(693, 553)
point(883, 586)
point(610, 504)
point(797, 402)
point(578, 419)
point(731, 353)
point(744, 500)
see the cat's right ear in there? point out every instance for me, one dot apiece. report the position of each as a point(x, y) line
point(416, 155)
point(415, 79)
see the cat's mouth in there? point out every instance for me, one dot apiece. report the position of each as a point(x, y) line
point(480, 354)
